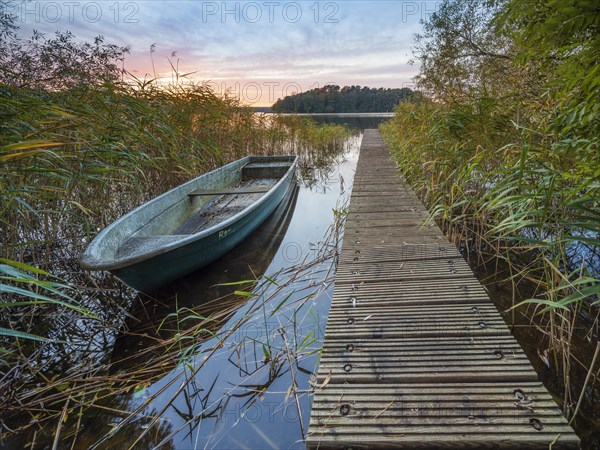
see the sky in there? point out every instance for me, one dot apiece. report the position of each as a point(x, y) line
point(258, 51)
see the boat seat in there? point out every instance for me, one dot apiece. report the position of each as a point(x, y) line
point(231, 191)
point(256, 165)
point(265, 170)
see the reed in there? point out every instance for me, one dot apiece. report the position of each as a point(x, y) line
point(508, 164)
point(72, 161)
point(182, 344)
point(504, 150)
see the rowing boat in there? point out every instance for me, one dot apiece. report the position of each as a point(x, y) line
point(192, 225)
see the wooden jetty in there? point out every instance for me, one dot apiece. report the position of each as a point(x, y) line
point(415, 354)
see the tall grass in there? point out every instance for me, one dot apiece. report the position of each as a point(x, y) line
point(503, 193)
point(73, 161)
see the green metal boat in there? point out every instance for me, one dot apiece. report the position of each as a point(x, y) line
point(192, 225)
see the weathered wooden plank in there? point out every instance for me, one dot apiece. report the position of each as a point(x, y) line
point(399, 252)
point(381, 188)
point(389, 215)
point(363, 311)
point(465, 287)
point(379, 207)
point(418, 330)
point(411, 228)
point(453, 268)
point(394, 204)
point(411, 239)
point(411, 218)
point(457, 343)
point(410, 222)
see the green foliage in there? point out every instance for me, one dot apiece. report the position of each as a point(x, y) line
point(332, 99)
point(563, 40)
point(459, 52)
point(55, 63)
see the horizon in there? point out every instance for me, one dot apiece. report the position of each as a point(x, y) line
point(258, 51)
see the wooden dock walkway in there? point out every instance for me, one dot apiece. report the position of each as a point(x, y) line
point(415, 354)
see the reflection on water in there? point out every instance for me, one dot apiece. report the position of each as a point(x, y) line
point(240, 373)
point(353, 121)
point(155, 319)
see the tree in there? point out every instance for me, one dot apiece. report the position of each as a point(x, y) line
point(333, 99)
point(460, 51)
point(54, 63)
point(563, 40)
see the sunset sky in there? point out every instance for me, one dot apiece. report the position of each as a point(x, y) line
point(258, 50)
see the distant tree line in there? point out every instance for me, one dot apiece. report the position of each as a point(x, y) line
point(333, 99)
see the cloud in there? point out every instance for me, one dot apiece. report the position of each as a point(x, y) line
point(299, 41)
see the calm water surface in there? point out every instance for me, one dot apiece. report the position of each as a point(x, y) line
point(240, 360)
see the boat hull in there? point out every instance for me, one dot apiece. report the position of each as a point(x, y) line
point(176, 259)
